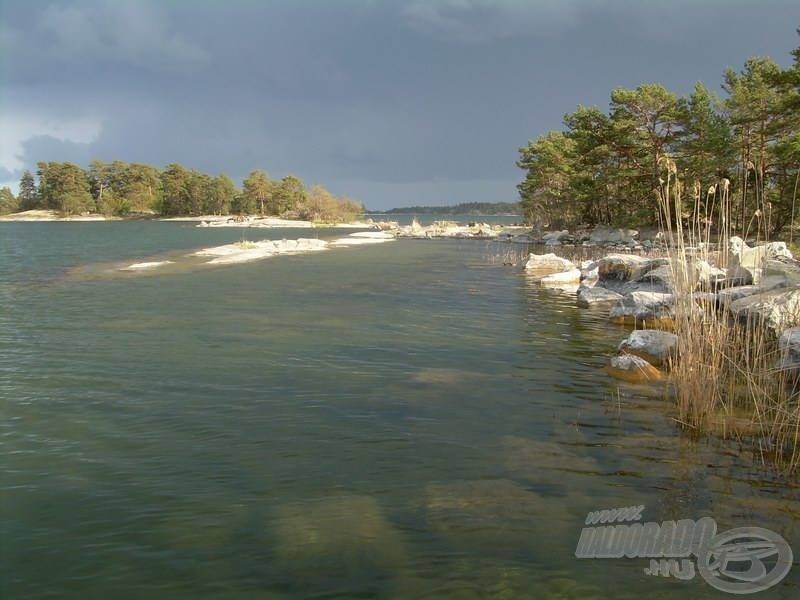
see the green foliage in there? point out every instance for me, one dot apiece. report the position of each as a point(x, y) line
point(64, 187)
point(604, 167)
point(288, 196)
point(28, 197)
point(8, 203)
point(319, 204)
point(120, 188)
point(464, 208)
point(257, 192)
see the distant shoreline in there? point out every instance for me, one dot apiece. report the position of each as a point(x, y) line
point(51, 216)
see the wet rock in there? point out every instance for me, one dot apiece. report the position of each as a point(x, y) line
point(633, 369)
point(659, 348)
point(643, 308)
point(589, 296)
point(571, 276)
point(776, 310)
point(545, 264)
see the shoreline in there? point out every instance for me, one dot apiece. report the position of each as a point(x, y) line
point(52, 216)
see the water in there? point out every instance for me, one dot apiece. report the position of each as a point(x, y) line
point(402, 420)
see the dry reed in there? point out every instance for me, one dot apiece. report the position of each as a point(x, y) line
point(726, 380)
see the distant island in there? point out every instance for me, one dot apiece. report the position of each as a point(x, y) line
point(119, 189)
point(465, 208)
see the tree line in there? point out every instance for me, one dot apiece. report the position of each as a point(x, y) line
point(465, 208)
point(119, 188)
point(606, 167)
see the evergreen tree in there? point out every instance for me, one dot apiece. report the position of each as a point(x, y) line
point(257, 191)
point(8, 203)
point(28, 198)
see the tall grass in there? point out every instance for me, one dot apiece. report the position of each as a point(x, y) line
point(726, 379)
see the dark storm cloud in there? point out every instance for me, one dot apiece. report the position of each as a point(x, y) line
point(392, 102)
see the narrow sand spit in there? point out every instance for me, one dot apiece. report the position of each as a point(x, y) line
point(146, 265)
point(51, 215)
point(364, 237)
point(247, 251)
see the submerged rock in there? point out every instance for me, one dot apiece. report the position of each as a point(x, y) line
point(496, 516)
point(633, 369)
point(657, 347)
point(544, 460)
point(588, 296)
point(636, 308)
point(344, 533)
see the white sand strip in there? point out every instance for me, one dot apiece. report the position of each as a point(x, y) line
point(364, 237)
point(146, 265)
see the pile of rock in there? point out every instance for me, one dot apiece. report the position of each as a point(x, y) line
point(449, 229)
point(624, 240)
point(761, 288)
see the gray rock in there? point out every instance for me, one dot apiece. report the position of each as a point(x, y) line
point(657, 347)
point(621, 267)
point(658, 279)
point(588, 296)
point(776, 310)
point(603, 235)
point(708, 276)
point(554, 238)
point(638, 307)
point(789, 347)
point(730, 294)
point(753, 260)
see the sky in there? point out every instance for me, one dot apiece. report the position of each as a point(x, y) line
point(393, 103)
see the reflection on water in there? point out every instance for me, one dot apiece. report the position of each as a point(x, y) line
point(395, 421)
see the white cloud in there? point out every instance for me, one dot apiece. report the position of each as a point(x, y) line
point(16, 129)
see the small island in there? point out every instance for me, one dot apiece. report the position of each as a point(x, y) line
point(118, 189)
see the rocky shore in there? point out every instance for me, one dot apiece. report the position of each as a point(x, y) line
point(759, 286)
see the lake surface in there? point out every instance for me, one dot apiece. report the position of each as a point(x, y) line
point(403, 420)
